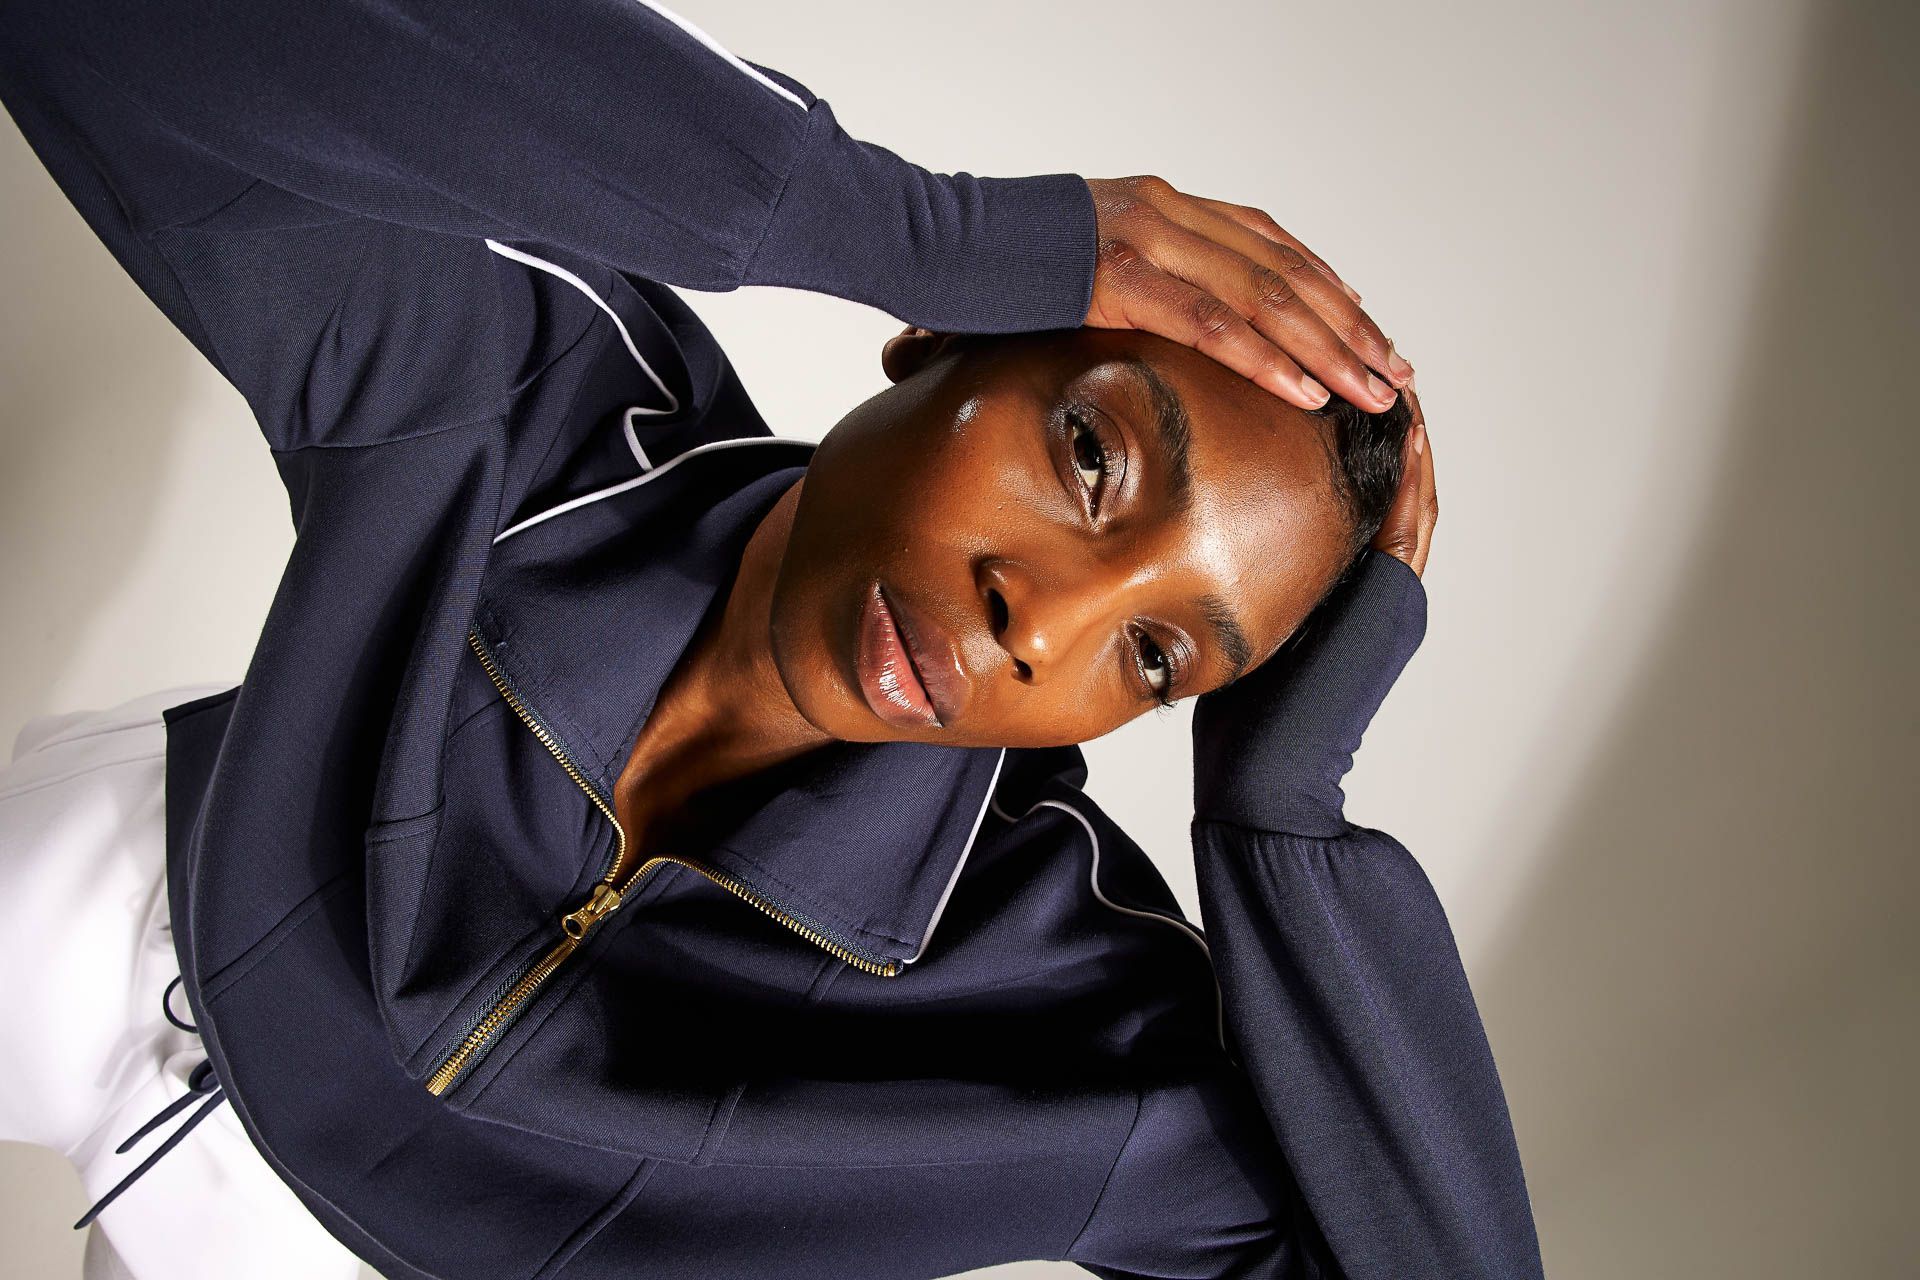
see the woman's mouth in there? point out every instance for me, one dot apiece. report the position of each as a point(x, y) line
point(888, 680)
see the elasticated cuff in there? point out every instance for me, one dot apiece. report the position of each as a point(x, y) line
point(949, 252)
point(1271, 749)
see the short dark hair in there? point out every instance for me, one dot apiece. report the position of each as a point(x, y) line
point(1366, 452)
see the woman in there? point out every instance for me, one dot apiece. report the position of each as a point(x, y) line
point(643, 845)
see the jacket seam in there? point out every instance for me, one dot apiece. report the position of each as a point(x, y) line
point(392, 829)
point(145, 233)
point(194, 222)
point(429, 823)
point(494, 413)
point(779, 200)
point(599, 1220)
point(150, 236)
point(271, 941)
point(484, 708)
point(714, 1136)
point(1139, 1106)
point(187, 297)
point(1347, 828)
point(433, 824)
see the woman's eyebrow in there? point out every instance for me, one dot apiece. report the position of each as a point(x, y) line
point(1174, 428)
point(1228, 635)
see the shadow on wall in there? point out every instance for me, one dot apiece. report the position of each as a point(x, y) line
point(1705, 1003)
point(69, 368)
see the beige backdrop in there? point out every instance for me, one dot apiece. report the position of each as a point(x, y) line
point(1654, 261)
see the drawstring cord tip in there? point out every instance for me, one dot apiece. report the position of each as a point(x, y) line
point(200, 1081)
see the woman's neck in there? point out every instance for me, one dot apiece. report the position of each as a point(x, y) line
point(724, 712)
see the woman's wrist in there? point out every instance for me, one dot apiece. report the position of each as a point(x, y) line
point(1271, 749)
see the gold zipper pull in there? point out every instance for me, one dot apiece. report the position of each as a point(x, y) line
point(604, 902)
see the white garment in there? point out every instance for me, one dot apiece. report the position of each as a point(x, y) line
point(88, 1056)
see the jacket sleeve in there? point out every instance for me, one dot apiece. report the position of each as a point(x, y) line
point(609, 128)
point(324, 197)
point(1344, 995)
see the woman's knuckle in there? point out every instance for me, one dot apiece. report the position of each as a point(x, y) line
point(1359, 335)
point(1152, 187)
point(1291, 260)
point(1119, 257)
point(1210, 319)
point(1272, 293)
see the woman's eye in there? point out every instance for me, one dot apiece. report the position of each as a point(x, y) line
point(1157, 669)
point(1090, 457)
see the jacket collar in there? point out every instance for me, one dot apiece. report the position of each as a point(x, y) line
point(586, 613)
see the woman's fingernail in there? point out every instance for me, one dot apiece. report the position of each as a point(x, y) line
point(1380, 390)
point(1396, 366)
point(1352, 292)
point(1313, 391)
point(1420, 438)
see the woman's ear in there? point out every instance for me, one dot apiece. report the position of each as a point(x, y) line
point(908, 351)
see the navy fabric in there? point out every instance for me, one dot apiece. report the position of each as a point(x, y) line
point(419, 238)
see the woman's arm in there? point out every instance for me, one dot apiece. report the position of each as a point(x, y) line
point(1345, 996)
point(1343, 987)
point(603, 127)
point(615, 130)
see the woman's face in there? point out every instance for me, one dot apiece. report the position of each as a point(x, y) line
point(1020, 508)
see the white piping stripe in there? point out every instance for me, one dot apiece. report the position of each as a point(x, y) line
point(633, 441)
point(555, 269)
point(639, 480)
point(715, 45)
point(1093, 881)
point(940, 908)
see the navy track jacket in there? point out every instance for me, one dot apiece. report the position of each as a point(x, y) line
point(925, 1008)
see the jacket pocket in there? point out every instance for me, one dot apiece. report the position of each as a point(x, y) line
point(399, 864)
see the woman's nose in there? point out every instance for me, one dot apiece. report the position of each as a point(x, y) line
point(1039, 620)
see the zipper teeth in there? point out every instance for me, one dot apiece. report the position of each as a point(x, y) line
point(553, 746)
point(521, 991)
point(880, 969)
point(482, 1032)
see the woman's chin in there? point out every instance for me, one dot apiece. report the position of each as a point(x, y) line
point(805, 658)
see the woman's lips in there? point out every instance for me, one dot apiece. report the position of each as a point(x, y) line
point(935, 659)
point(888, 680)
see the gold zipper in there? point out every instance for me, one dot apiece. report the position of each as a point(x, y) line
point(605, 899)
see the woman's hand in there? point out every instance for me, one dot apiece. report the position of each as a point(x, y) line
point(1230, 283)
point(1407, 532)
